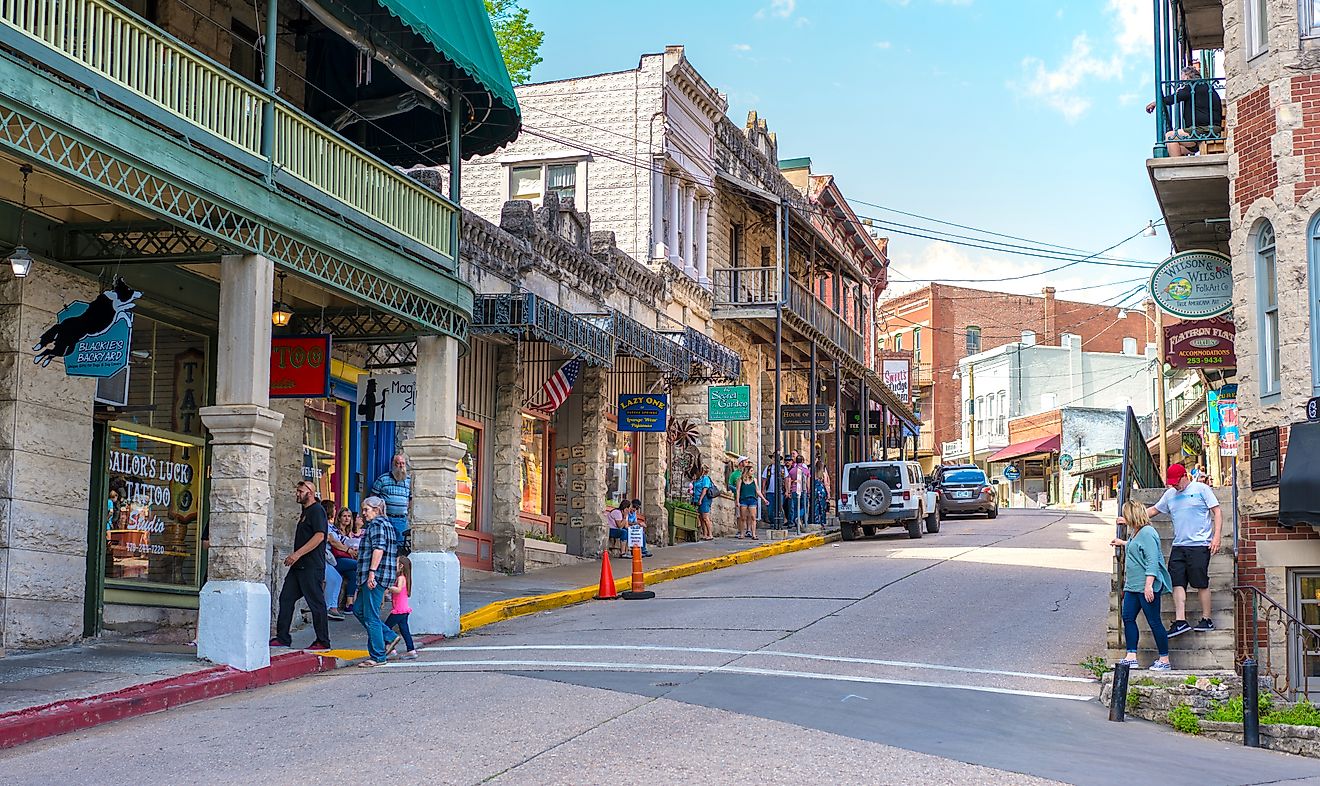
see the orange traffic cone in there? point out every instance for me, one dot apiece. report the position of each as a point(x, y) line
point(606, 591)
point(638, 590)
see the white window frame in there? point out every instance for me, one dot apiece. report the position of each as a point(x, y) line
point(972, 332)
point(579, 179)
point(1265, 253)
point(1313, 287)
point(1255, 26)
point(1308, 20)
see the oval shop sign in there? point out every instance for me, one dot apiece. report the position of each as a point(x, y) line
point(1193, 285)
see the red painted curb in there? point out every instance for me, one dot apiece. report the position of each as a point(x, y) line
point(61, 717)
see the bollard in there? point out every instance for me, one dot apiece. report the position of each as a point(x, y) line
point(1250, 703)
point(1118, 695)
point(638, 590)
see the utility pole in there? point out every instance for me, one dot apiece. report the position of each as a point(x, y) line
point(1159, 394)
point(971, 412)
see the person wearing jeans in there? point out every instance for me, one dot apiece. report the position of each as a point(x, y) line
point(378, 556)
point(1145, 576)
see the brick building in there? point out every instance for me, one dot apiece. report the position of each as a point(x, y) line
point(941, 324)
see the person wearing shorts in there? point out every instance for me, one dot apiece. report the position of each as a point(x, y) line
point(749, 493)
point(1197, 526)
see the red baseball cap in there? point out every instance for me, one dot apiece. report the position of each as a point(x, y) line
point(1174, 475)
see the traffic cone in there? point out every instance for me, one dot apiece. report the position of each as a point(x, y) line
point(638, 590)
point(606, 591)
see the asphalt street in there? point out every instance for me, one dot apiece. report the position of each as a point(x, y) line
point(949, 659)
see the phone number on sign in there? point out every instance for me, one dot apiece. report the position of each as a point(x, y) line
point(145, 548)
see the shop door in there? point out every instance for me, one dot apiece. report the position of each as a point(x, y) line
point(1305, 647)
point(475, 547)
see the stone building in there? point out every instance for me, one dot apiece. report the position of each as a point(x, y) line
point(159, 231)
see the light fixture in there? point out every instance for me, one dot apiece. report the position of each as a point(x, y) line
point(1122, 313)
point(20, 259)
point(281, 315)
point(1149, 231)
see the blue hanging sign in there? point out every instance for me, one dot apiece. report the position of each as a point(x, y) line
point(1011, 472)
point(92, 338)
point(643, 412)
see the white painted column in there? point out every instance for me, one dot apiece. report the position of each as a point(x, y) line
point(675, 216)
point(233, 618)
point(703, 248)
point(689, 209)
point(658, 212)
point(434, 454)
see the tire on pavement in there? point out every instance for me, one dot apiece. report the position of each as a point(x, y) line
point(847, 530)
point(993, 514)
point(914, 528)
point(933, 522)
point(868, 530)
point(874, 497)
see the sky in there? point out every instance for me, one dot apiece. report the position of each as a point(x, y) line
point(1020, 117)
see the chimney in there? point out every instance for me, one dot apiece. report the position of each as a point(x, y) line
point(1050, 315)
point(1151, 322)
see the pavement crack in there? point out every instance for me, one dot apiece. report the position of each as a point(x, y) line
point(1058, 604)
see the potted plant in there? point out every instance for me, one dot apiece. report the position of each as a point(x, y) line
point(543, 541)
point(682, 520)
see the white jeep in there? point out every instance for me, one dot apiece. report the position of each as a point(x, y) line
point(878, 494)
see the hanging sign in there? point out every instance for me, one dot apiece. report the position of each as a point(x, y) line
point(643, 412)
point(1011, 472)
point(386, 398)
point(875, 423)
point(897, 375)
point(729, 402)
point(1202, 343)
point(300, 366)
point(1193, 285)
point(92, 338)
point(1065, 462)
point(797, 417)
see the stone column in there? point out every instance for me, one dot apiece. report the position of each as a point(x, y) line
point(689, 210)
point(233, 618)
point(434, 454)
point(658, 211)
point(595, 437)
point(675, 217)
point(655, 466)
point(702, 250)
point(506, 437)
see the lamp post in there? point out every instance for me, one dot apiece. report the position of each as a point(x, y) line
point(1158, 324)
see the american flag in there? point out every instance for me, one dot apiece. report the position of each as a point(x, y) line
point(556, 389)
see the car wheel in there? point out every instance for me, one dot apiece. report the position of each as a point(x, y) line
point(993, 514)
point(914, 528)
point(933, 522)
point(868, 530)
point(847, 530)
point(874, 497)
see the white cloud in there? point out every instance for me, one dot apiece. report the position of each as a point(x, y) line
point(742, 47)
point(1135, 32)
point(883, 44)
point(780, 8)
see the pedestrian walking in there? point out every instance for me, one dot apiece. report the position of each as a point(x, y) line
point(774, 481)
point(378, 556)
point(799, 479)
point(748, 491)
point(703, 497)
point(1197, 526)
point(306, 577)
point(395, 487)
point(1145, 577)
point(400, 609)
point(820, 492)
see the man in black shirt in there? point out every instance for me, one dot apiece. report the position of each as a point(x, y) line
point(306, 577)
point(1197, 114)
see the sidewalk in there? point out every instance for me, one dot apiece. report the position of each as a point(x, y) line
point(61, 690)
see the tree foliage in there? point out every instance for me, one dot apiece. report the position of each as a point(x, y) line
point(518, 38)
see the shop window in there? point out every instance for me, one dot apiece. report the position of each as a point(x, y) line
point(531, 466)
point(1267, 310)
point(469, 478)
point(1310, 18)
point(620, 468)
point(155, 464)
point(735, 438)
point(1304, 598)
point(321, 447)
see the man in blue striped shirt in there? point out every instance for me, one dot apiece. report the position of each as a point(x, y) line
point(395, 487)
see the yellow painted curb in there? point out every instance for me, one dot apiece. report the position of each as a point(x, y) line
point(518, 607)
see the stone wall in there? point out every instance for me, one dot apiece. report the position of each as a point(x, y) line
point(45, 468)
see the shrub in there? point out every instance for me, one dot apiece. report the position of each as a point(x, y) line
point(1097, 665)
point(1231, 711)
point(1216, 681)
point(1184, 720)
point(1145, 681)
point(1190, 681)
point(1303, 713)
point(1133, 699)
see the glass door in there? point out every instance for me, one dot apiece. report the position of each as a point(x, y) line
point(1306, 647)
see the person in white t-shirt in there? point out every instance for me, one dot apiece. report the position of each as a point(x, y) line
point(1198, 524)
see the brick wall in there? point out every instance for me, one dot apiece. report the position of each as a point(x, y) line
point(1256, 173)
point(1044, 424)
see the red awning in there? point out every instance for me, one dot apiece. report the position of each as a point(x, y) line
point(1019, 449)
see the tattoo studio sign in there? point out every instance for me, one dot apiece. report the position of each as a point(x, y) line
point(300, 366)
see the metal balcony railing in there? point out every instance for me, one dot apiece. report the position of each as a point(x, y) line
point(760, 286)
point(1189, 112)
point(814, 312)
point(746, 286)
point(115, 44)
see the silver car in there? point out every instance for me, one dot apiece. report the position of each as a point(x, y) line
point(966, 490)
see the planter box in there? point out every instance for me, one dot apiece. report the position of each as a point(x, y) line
point(682, 525)
point(545, 545)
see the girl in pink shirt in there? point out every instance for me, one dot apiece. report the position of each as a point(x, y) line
point(400, 610)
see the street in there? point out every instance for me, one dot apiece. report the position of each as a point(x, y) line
point(950, 659)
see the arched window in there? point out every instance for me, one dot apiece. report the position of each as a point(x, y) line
point(1267, 310)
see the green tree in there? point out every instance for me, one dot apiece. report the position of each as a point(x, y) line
point(518, 38)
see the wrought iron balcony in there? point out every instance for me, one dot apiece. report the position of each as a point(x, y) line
point(822, 318)
point(1190, 113)
point(746, 286)
point(172, 85)
point(754, 293)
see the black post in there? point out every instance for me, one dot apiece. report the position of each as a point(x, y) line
point(811, 449)
point(838, 425)
point(777, 501)
point(1250, 703)
point(864, 435)
point(1118, 696)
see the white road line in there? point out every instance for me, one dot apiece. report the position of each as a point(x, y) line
point(532, 665)
point(775, 653)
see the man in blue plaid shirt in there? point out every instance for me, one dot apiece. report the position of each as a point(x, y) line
point(378, 555)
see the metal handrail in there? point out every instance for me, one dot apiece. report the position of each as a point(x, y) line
point(746, 286)
point(1259, 638)
point(1191, 98)
point(130, 52)
point(812, 310)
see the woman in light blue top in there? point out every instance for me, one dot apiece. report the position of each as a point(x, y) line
point(1145, 577)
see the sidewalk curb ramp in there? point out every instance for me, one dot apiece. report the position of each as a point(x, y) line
point(61, 717)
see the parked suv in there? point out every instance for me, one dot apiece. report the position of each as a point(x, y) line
point(878, 494)
point(965, 489)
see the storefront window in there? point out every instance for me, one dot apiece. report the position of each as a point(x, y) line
point(321, 437)
point(531, 465)
point(621, 460)
point(469, 477)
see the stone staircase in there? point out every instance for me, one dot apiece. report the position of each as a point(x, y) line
point(1190, 651)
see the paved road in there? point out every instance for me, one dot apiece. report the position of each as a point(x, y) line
point(951, 659)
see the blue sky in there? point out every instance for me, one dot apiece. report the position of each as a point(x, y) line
point(1018, 116)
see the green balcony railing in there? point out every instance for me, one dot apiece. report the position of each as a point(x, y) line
point(115, 44)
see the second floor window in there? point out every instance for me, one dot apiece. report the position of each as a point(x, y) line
point(916, 344)
point(1257, 25)
point(973, 339)
point(1310, 18)
point(898, 342)
point(1267, 307)
point(533, 181)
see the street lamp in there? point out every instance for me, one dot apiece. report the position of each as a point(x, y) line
point(1158, 324)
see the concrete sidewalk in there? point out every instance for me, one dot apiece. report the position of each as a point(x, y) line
point(54, 689)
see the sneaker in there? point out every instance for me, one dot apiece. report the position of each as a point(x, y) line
point(319, 645)
point(392, 646)
point(278, 643)
point(335, 615)
point(410, 655)
point(1178, 628)
point(1160, 666)
point(1204, 625)
point(1132, 663)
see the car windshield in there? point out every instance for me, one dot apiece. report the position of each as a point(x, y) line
point(891, 475)
point(965, 476)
